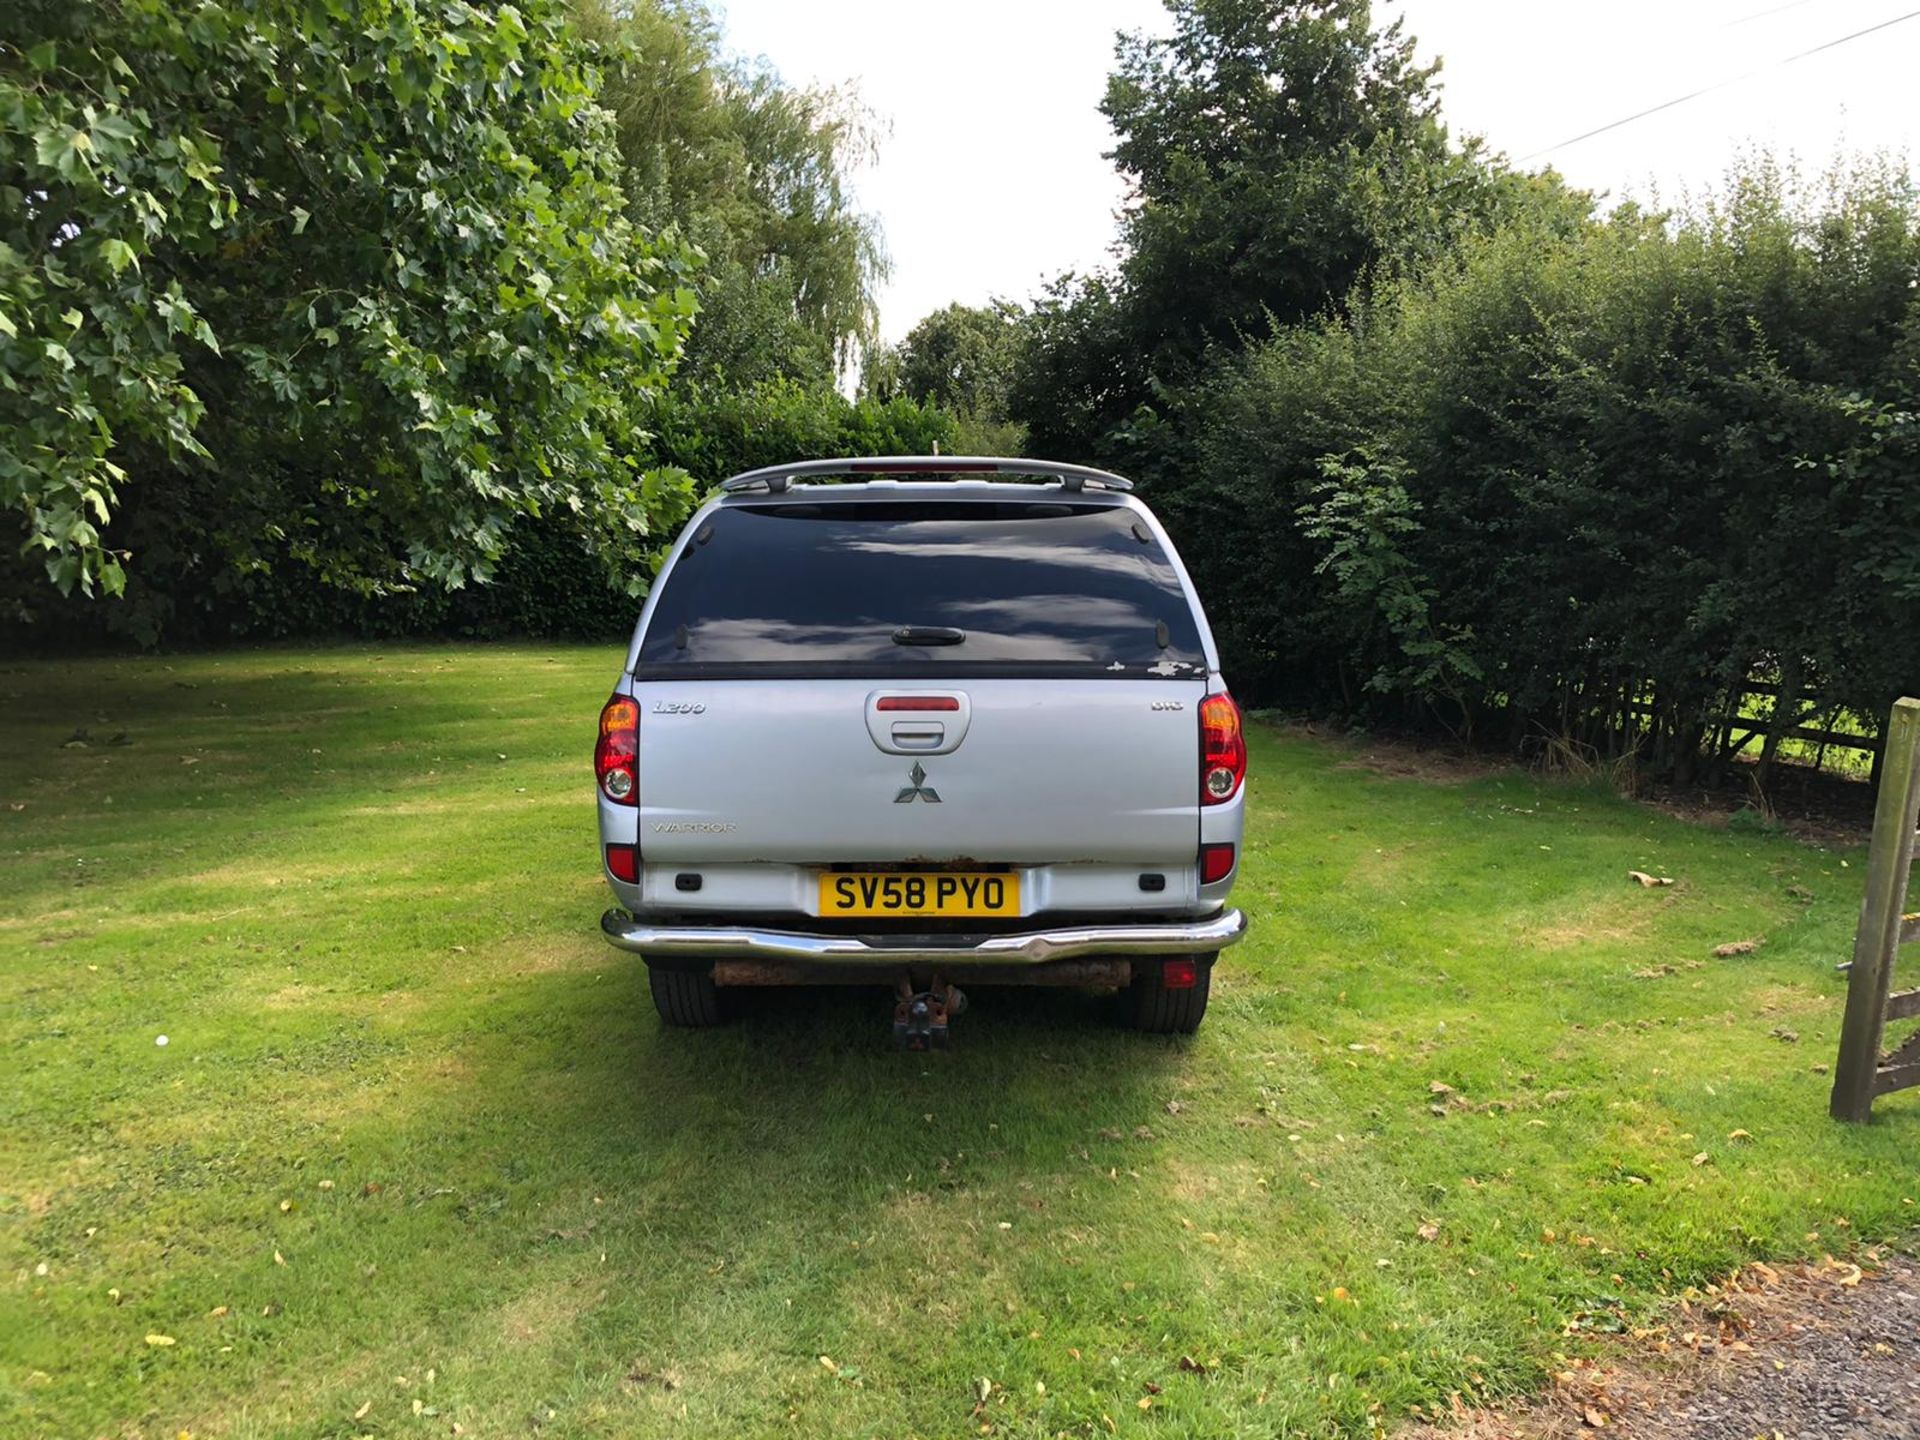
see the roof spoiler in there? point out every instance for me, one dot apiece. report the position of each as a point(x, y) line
point(776, 478)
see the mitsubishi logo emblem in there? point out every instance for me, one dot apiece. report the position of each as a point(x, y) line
point(919, 790)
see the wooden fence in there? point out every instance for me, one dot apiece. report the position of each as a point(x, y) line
point(1863, 1072)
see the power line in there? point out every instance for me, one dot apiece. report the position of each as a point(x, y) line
point(1718, 85)
point(1762, 14)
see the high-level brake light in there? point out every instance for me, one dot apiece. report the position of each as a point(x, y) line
point(917, 702)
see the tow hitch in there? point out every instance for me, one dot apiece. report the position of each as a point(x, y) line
point(921, 1018)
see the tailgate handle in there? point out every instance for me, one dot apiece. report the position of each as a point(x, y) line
point(918, 722)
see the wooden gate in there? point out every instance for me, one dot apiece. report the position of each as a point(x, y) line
point(1863, 1072)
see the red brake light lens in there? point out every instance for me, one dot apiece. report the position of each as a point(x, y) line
point(922, 465)
point(1179, 974)
point(917, 702)
point(1216, 863)
point(1223, 750)
point(616, 758)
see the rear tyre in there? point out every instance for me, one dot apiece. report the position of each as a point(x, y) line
point(685, 997)
point(1153, 1009)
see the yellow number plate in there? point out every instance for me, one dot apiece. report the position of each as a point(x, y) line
point(956, 892)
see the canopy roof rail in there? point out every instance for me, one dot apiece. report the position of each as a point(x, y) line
point(776, 478)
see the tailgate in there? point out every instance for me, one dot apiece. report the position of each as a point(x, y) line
point(816, 771)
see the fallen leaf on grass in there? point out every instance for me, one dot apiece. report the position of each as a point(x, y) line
point(1703, 1158)
point(363, 1411)
point(1740, 1137)
point(1594, 1418)
point(1439, 1087)
point(1850, 1275)
point(278, 1258)
point(1736, 947)
point(1192, 1366)
point(1174, 1107)
point(160, 1340)
point(1784, 1035)
point(1428, 1231)
point(1649, 882)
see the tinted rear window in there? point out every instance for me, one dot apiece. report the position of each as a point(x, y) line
point(824, 589)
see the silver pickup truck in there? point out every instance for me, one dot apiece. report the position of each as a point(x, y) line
point(923, 721)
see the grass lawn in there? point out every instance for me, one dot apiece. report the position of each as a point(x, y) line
point(418, 1159)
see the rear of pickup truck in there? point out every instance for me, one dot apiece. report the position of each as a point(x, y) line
point(921, 734)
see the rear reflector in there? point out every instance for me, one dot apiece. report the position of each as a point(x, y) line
point(917, 702)
point(623, 862)
point(1182, 974)
point(1216, 863)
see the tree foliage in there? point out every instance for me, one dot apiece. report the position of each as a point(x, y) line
point(344, 282)
point(960, 358)
point(1586, 484)
point(1277, 152)
point(756, 173)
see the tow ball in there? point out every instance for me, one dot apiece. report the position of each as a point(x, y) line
point(922, 1018)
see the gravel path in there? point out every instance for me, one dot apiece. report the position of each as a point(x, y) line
point(1844, 1361)
point(1786, 1355)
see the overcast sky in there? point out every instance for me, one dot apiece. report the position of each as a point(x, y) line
point(991, 178)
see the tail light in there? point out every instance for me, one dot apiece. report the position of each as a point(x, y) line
point(1223, 750)
point(616, 759)
point(1179, 974)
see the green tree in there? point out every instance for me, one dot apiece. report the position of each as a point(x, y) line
point(715, 433)
point(960, 358)
point(1585, 483)
point(1277, 152)
point(756, 173)
point(343, 283)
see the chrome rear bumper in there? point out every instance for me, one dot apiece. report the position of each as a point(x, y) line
point(1026, 947)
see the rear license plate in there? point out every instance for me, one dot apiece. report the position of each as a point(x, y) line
point(955, 892)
